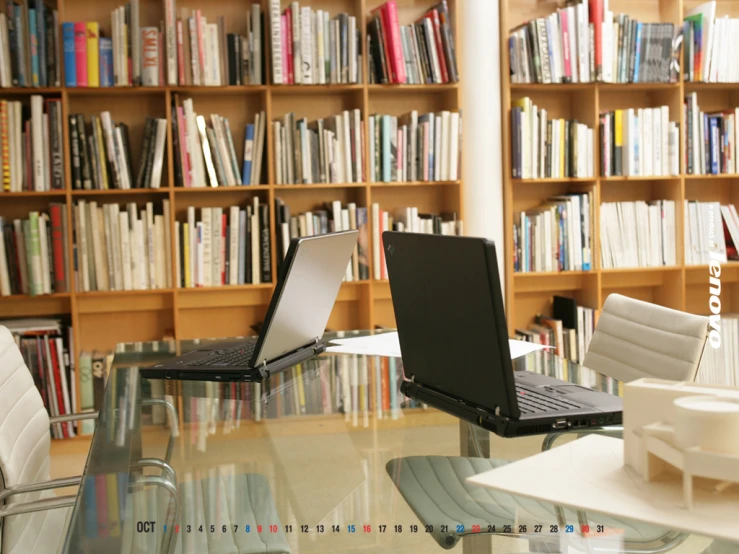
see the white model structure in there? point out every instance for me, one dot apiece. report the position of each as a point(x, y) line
point(682, 430)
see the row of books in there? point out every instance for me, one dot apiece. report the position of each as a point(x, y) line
point(407, 220)
point(639, 142)
point(420, 53)
point(329, 150)
point(556, 236)
point(225, 246)
point(101, 153)
point(121, 247)
point(710, 139)
point(331, 217)
point(568, 330)
point(711, 230)
point(415, 148)
point(309, 47)
point(637, 234)
point(204, 152)
point(548, 148)
point(46, 347)
point(32, 145)
point(33, 253)
point(585, 42)
point(29, 45)
point(718, 365)
point(709, 46)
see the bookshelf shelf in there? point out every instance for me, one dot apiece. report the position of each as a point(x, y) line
point(102, 319)
point(680, 287)
point(519, 182)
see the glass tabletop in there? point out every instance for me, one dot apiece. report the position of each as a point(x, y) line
point(325, 457)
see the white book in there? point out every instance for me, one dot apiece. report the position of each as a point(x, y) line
point(124, 234)
point(161, 137)
point(45, 264)
point(259, 147)
point(167, 244)
point(99, 262)
point(142, 259)
point(223, 150)
point(115, 244)
point(255, 252)
point(657, 142)
point(216, 245)
point(358, 150)
point(353, 68)
point(199, 276)
point(279, 156)
point(319, 48)
point(47, 165)
point(37, 123)
point(5, 77)
point(438, 153)
point(648, 142)
point(347, 148)
point(192, 230)
point(345, 225)
point(170, 42)
point(306, 50)
point(376, 241)
point(208, 247)
point(194, 146)
point(372, 169)
point(446, 145)
point(194, 52)
point(160, 252)
point(178, 258)
point(214, 56)
point(454, 146)
point(233, 246)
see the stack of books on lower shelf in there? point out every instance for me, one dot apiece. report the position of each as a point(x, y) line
point(415, 148)
point(407, 220)
point(32, 145)
point(568, 330)
point(710, 139)
point(33, 253)
point(205, 151)
point(637, 234)
point(46, 347)
point(330, 217)
point(101, 153)
point(556, 236)
point(328, 150)
point(639, 142)
point(542, 147)
point(225, 246)
point(122, 247)
point(719, 365)
point(711, 232)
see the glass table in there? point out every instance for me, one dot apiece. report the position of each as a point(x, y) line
point(325, 457)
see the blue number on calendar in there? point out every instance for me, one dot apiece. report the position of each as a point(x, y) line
point(247, 528)
point(570, 529)
point(460, 528)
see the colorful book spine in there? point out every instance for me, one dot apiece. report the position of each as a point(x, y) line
point(70, 60)
point(35, 79)
point(248, 154)
point(393, 28)
point(106, 62)
point(93, 58)
point(5, 145)
point(41, 41)
point(80, 48)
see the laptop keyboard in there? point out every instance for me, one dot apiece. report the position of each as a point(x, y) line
point(533, 402)
point(233, 357)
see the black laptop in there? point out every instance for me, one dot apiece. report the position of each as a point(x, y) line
point(454, 341)
point(308, 282)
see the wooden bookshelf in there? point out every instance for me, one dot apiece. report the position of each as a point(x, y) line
point(103, 319)
point(681, 287)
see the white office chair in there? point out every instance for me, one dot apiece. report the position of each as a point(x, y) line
point(33, 520)
point(635, 339)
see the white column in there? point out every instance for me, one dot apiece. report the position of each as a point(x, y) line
point(481, 156)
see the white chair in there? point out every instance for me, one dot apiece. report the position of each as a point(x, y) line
point(635, 339)
point(33, 520)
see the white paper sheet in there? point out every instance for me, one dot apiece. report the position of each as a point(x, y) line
point(386, 344)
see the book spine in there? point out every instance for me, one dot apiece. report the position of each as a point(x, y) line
point(393, 28)
point(106, 62)
point(276, 42)
point(93, 59)
point(70, 56)
point(80, 48)
point(150, 56)
point(171, 42)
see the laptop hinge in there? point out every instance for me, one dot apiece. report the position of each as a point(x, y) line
point(263, 371)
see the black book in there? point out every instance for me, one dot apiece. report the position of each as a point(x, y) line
point(94, 162)
point(127, 148)
point(41, 41)
point(11, 243)
point(263, 50)
point(13, 44)
point(148, 161)
point(264, 243)
point(378, 51)
point(85, 164)
point(146, 144)
point(50, 48)
point(74, 143)
point(55, 146)
point(423, 52)
point(247, 263)
point(565, 309)
point(176, 149)
point(231, 53)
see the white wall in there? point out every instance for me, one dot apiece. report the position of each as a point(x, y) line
point(481, 157)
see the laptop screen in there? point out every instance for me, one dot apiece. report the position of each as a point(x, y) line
point(450, 317)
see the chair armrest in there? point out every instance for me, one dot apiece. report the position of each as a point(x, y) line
point(40, 486)
point(615, 430)
point(73, 417)
point(40, 505)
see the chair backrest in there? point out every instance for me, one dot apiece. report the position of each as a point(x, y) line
point(24, 443)
point(635, 339)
